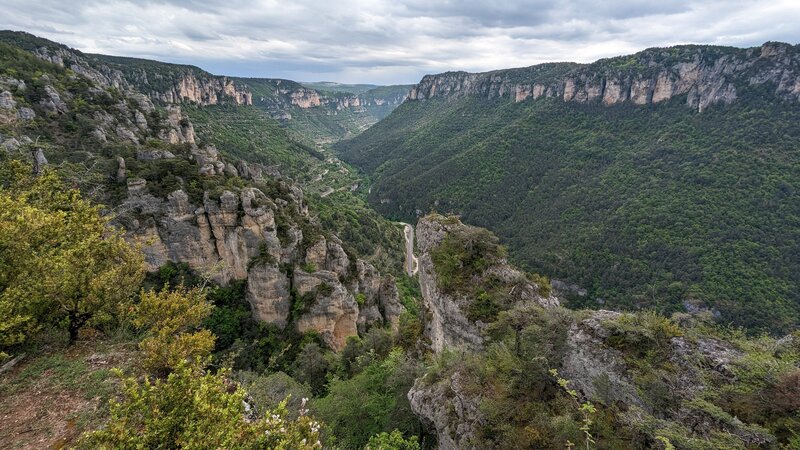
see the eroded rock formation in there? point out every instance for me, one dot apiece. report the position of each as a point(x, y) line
point(704, 75)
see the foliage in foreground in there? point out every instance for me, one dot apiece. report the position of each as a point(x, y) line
point(194, 408)
point(61, 265)
point(173, 320)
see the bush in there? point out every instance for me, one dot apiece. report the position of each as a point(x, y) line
point(463, 254)
point(172, 320)
point(193, 408)
point(61, 265)
point(268, 391)
point(392, 441)
point(371, 402)
point(483, 308)
point(311, 367)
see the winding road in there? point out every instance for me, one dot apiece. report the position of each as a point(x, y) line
point(412, 265)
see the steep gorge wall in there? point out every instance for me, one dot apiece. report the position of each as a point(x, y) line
point(449, 326)
point(705, 75)
point(162, 82)
point(235, 237)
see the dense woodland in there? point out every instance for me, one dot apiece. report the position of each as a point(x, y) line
point(643, 206)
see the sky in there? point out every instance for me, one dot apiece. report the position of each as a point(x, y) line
point(393, 41)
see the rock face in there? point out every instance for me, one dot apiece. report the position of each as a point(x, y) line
point(235, 237)
point(446, 409)
point(204, 90)
point(226, 235)
point(449, 325)
point(169, 83)
point(443, 406)
point(334, 312)
point(588, 360)
point(303, 97)
point(268, 294)
point(590, 357)
point(704, 75)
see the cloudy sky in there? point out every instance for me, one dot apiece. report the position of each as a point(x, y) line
point(393, 41)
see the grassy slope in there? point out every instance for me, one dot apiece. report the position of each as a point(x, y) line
point(644, 206)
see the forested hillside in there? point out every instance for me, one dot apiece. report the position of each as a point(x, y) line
point(594, 175)
point(148, 275)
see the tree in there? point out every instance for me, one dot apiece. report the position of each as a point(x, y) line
point(392, 441)
point(61, 264)
point(311, 367)
point(173, 320)
point(373, 401)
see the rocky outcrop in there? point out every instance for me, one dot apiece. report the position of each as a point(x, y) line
point(379, 300)
point(268, 295)
point(448, 325)
point(702, 75)
point(223, 235)
point(588, 359)
point(447, 410)
point(204, 90)
point(234, 237)
point(598, 352)
point(334, 311)
point(180, 130)
point(294, 94)
point(167, 83)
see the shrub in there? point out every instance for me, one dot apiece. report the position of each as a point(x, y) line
point(392, 441)
point(311, 367)
point(483, 308)
point(172, 320)
point(193, 408)
point(542, 282)
point(463, 254)
point(60, 263)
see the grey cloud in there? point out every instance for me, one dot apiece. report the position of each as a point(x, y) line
point(393, 40)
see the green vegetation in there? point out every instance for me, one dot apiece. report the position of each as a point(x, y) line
point(196, 370)
point(392, 441)
point(196, 409)
point(372, 401)
point(248, 134)
point(644, 206)
point(364, 232)
point(172, 320)
point(463, 255)
point(327, 122)
point(60, 265)
point(525, 403)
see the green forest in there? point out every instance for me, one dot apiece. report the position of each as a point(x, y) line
point(643, 206)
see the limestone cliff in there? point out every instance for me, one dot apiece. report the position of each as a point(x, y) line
point(162, 82)
point(185, 202)
point(283, 94)
point(235, 236)
point(704, 75)
point(449, 326)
